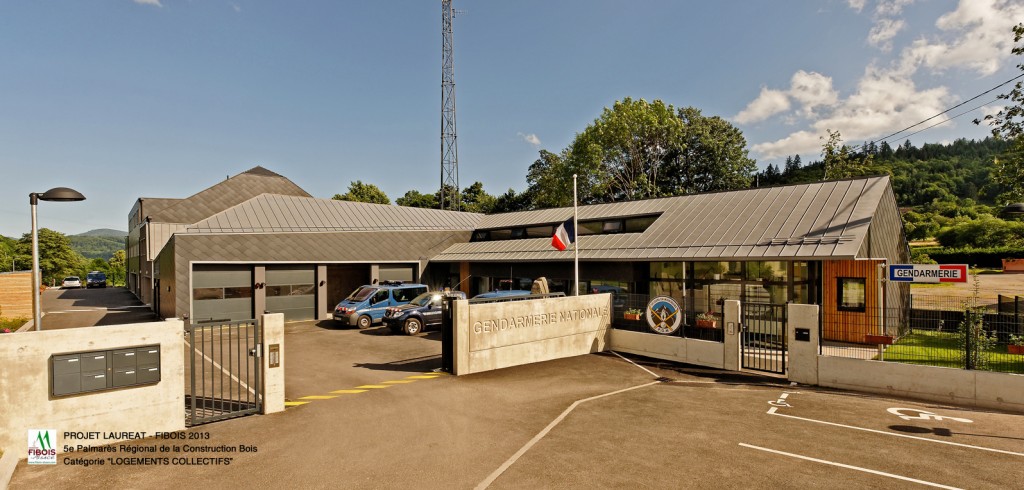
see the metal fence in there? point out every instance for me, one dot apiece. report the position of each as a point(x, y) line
point(946, 332)
point(629, 312)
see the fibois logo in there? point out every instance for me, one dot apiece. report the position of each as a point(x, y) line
point(42, 446)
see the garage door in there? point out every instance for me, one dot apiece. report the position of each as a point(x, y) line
point(221, 293)
point(292, 290)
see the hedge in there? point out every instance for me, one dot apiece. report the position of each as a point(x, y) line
point(980, 257)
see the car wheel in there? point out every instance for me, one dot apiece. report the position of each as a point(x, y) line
point(413, 326)
point(364, 322)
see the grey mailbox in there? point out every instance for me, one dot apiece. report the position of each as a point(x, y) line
point(83, 372)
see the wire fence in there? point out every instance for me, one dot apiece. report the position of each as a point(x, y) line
point(631, 311)
point(946, 332)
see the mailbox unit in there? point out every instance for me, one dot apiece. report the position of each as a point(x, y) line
point(82, 372)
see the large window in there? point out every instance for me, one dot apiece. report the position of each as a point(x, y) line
point(634, 224)
point(851, 294)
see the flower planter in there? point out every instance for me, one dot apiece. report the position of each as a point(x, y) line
point(707, 323)
point(632, 316)
point(1015, 349)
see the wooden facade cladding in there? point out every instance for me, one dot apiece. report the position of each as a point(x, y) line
point(851, 326)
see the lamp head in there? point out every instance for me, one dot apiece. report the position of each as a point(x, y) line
point(61, 194)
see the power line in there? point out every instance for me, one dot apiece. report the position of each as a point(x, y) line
point(950, 109)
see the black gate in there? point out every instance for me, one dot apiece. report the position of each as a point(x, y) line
point(763, 344)
point(222, 371)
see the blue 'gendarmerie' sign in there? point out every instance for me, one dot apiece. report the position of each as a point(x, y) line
point(928, 273)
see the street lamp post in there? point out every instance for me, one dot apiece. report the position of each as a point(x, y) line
point(55, 194)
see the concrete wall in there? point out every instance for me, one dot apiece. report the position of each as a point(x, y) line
point(1000, 391)
point(16, 294)
point(982, 389)
point(721, 355)
point(25, 386)
point(492, 336)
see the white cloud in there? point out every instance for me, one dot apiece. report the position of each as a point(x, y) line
point(530, 138)
point(975, 36)
point(883, 31)
point(979, 33)
point(149, 2)
point(812, 90)
point(991, 110)
point(236, 7)
point(857, 5)
point(767, 104)
point(885, 100)
point(891, 8)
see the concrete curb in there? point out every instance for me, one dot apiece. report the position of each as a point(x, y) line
point(7, 464)
point(29, 325)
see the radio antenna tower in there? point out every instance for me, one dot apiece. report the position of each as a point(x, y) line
point(450, 198)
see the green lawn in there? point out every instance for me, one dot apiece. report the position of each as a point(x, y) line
point(940, 349)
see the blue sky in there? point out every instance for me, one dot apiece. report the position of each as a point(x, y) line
point(127, 98)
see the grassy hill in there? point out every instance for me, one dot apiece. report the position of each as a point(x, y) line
point(98, 244)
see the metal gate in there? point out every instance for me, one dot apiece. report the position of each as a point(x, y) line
point(222, 371)
point(763, 345)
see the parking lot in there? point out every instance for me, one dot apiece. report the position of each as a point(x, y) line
point(367, 411)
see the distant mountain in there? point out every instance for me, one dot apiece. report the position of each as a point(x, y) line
point(98, 244)
point(105, 232)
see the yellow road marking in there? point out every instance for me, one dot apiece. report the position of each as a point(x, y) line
point(317, 397)
point(437, 373)
point(373, 386)
point(294, 404)
point(421, 377)
point(399, 382)
point(348, 392)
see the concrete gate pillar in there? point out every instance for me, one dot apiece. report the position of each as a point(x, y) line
point(803, 349)
point(272, 362)
point(731, 319)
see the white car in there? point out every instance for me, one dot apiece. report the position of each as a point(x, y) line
point(71, 282)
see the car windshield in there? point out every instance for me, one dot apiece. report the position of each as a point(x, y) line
point(423, 299)
point(361, 293)
point(97, 275)
point(72, 278)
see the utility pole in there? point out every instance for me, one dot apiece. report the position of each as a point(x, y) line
point(449, 147)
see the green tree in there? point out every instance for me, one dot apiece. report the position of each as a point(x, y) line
point(985, 231)
point(840, 161)
point(116, 271)
point(7, 254)
point(416, 199)
point(512, 201)
point(549, 181)
point(712, 156)
point(56, 257)
point(1008, 124)
point(476, 200)
point(360, 192)
point(625, 149)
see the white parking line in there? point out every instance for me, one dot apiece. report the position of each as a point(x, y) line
point(857, 468)
point(635, 364)
point(772, 411)
point(540, 435)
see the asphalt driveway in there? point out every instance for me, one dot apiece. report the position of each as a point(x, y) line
point(367, 411)
point(75, 308)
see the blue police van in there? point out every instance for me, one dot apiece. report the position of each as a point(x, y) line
point(367, 304)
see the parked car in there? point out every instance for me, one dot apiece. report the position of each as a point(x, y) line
point(366, 305)
point(96, 279)
point(71, 282)
point(422, 312)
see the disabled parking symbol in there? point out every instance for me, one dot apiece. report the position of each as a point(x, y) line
point(915, 414)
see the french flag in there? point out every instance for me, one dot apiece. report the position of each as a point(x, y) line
point(564, 235)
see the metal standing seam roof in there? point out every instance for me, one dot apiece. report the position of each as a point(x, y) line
point(269, 213)
point(808, 221)
point(225, 194)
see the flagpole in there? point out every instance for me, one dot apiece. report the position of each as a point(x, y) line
point(575, 236)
